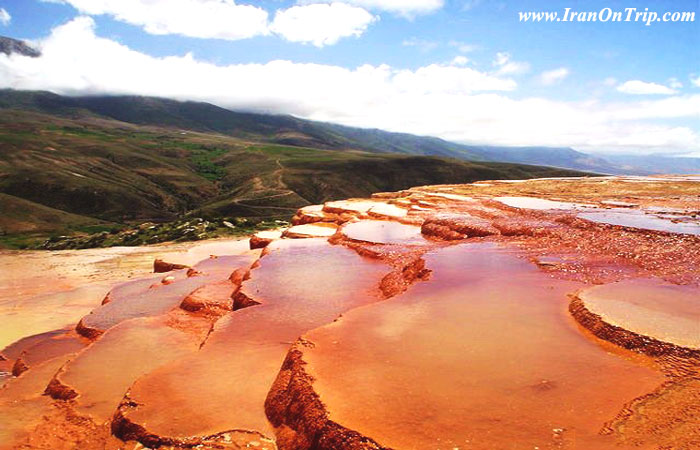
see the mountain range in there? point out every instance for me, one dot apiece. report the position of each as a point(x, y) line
point(70, 163)
point(289, 130)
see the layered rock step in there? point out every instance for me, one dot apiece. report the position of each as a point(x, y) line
point(155, 296)
point(480, 356)
point(130, 349)
point(648, 315)
point(298, 285)
point(66, 308)
point(474, 347)
point(23, 405)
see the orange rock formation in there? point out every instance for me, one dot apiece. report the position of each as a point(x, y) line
point(552, 313)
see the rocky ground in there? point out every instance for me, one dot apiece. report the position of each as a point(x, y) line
point(550, 314)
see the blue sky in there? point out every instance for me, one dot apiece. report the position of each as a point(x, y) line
point(465, 70)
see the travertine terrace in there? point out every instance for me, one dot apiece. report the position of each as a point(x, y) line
point(550, 314)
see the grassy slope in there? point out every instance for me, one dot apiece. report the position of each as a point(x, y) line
point(288, 130)
point(96, 170)
point(22, 216)
point(205, 117)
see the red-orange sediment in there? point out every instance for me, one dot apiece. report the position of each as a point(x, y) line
point(462, 360)
point(644, 315)
point(142, 299)
point(299, 284)
point(160, 266)
point(477, 346)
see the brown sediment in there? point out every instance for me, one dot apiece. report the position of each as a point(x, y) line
point(106, 300)
point(160, 266)
point(352, 207)
point(399, 280)
point(62, 429)
point(192, 273)
point(457, 227)
point(231, 439)
point(667, 418)
point(241, 300)
point(519, 227)
point(239, 276)
point(87, 331)
point(19, 367)
point(256, 242)
point(300, 417)
point(313, 214)
point(197, 325)
point(625, 338)
point(264, 238)
point(58, 390)
point(46, 349)
point(212, 299)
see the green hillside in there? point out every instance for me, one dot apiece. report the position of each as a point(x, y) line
point(74, 169)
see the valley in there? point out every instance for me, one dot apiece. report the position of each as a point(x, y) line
point(68, 171)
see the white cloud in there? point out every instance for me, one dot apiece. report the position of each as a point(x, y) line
point(468, 5)
point(5, 17)
point(674, 83)
point(452, 102)
point(321, 24)
point(445, 79)
point(666, 108)
point(406, 8)
point(463, 47)
point(218, 19)
point(460, 60)
point(695, 80)
point(550, 77)
point(610, 81)
point(423, 45)
point(637, 87)
point(506, 66)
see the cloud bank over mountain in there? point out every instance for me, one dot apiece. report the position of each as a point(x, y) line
point(450, 100)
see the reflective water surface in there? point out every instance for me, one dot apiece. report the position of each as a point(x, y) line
point(649, 307)
point(300, 285)
point(539, 203)
point(638, 219)
point(483, 355)
point(383, 232)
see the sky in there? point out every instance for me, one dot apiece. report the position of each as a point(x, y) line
point(465, 70)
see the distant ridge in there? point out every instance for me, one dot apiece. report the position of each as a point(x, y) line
point(289, 130)
point(9, 46)
point(72, 164)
